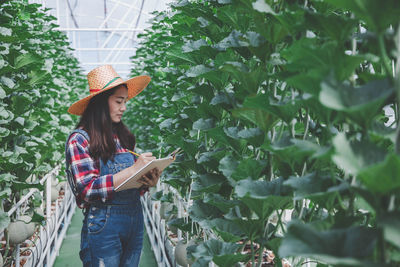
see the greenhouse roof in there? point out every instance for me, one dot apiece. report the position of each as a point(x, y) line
point(103, 31)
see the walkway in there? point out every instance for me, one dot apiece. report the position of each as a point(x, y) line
point(68, 256)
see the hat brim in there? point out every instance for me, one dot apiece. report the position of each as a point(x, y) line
point(135, 86)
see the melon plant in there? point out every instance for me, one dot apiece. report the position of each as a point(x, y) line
point(281, 107)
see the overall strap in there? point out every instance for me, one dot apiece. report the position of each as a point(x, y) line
point(70, 177)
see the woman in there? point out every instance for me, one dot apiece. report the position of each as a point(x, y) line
point(98, 159)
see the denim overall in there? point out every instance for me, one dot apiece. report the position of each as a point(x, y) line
point(112, 231)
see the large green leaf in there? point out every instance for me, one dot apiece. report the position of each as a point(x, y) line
point(285, 110)
point(264, 120)
point(249, 168)
point(176, 54)
point(253, 135)
point(4, 220)
point(334, 25)
point(337, 246)
point(227, 165)
point(25, 59)
point(361, 103)
point(228, 230)
point(220, 202)
point(391, 227)
point(320, 188)
point(263, 197)
point(221, 253)
point(376, 14)
point(208, 183)
point(223, 138)
point(201, 211)
point(249, 80)
point(203, 124)
point(289, 150)
point(382, 177)
point(353, 156)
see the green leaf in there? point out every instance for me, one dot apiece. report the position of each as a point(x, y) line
point(203, 124)
point(3, 93)
point(354, 156)
point(382, 177)
point(228, 230)
point(22, 185)
point(264, 120)
point(338, 246)
point(223, 138)
point(263, 197)
point(25, 59)
point(220, 202)
point(208, 183)
point(5, 193)
point(4, 220)
point(5, 31)
point(391, 227)
point(21, 103)
point(8, 82)
point(227, 165)
point(197, 71)
point(249, 168)
point(254, 136)
point(181, 224)
point(285, 110)
point(4, 132)
point(319, 188)
point(202, 212)
point(377, 15)
point(249, 79)
point(262, 6)
point(7, 177)
point(177, 55)
point(193, 45)
point(222, 253)
point(336, 26)
point(361, 103)
point(37, 77)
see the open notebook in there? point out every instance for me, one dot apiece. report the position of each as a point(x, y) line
point(161, 164)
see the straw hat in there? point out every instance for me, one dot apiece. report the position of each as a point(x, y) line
point(104, 78)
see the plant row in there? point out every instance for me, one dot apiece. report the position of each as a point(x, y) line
point(282, 108)
point(38, 78)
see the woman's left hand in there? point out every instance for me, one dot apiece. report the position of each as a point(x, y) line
point(151, 178)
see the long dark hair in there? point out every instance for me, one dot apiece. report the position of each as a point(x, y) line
point(96, 121)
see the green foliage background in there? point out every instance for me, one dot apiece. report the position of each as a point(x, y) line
point(278, 105)
point(38, 78)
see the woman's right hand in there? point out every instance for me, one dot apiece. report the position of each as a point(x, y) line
point(143, 159)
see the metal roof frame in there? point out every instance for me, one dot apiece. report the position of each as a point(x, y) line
point(114, 44)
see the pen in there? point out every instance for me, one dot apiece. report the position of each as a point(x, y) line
point(134, 153)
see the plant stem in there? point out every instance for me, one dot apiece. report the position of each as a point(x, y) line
point(307, 124)
point(382, 50)
point(397, 87)
point(381, 246)
point(252, 253)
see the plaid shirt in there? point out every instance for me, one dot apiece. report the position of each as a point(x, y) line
point(90, 185)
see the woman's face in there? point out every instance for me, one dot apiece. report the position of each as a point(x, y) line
point(116, 103)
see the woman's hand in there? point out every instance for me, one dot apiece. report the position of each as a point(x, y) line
point(143, 159)
point(151, 178)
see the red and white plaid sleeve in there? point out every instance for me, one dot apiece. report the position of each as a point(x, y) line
point(91, 186)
